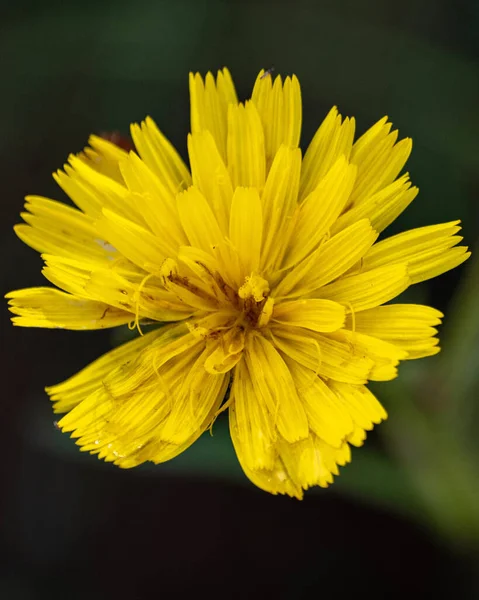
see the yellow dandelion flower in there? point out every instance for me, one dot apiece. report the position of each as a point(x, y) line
point(266, 268)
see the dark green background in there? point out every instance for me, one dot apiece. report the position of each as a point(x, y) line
point(403, 518)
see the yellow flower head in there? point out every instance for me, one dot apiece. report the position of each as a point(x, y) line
point(266, 268)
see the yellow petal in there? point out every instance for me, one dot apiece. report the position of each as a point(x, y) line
point(75, 276)
point(328, 262)
point(397, 321)
point(160, 156)
point(273, 382)
point(378, 158)
point(297, 466)
point(140, 414)
point(320, 210)
point(226, 351)
point(153, 200)
point(82, 194)
point(251, 423)
point(199, 221)
point(343, 361)
point(279, 201)
point(420, 348)
point(70, 392)
point(191, 290)
point(92, 192)
point(71, 276)
point(359, 401)
point(148, 300)
point(410, 327)
point(358, 437)
point(315, 314)
point(437, 263)
point(426, 250)
point(55, 228)
point(207, 267)
point(199, 394)
point(384, 355)
point(297, 345)
point(135, 242)
point(329, 358)
point(245, 149)
point(381, 208)
point(333, 139)
point(327, 418)
point(50, 308)
point(280, 109)
point(104, 157)
point(128, 428)
point(209, 105)
point(371, 138)
point(312, 461)
point(159, 451)
point(274, 479)
point(211, 325)
point(210, 175)
point(245, 230)
point(174, 345)
point(369, 289)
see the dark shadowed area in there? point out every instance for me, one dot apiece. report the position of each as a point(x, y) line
point(403, 518)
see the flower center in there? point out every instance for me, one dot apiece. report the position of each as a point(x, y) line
point(249, 307)
point(255, 303)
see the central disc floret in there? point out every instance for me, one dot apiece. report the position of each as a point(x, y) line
point(219, 305)
point(255, 302)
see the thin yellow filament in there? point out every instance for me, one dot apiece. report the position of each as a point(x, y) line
point(137, 295)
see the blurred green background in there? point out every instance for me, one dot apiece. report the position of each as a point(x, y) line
point(403, 518)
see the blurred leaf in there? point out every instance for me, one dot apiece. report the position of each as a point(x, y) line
point(459, 359)
point(370, 477)
point(438, 466)
point(374, 478)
